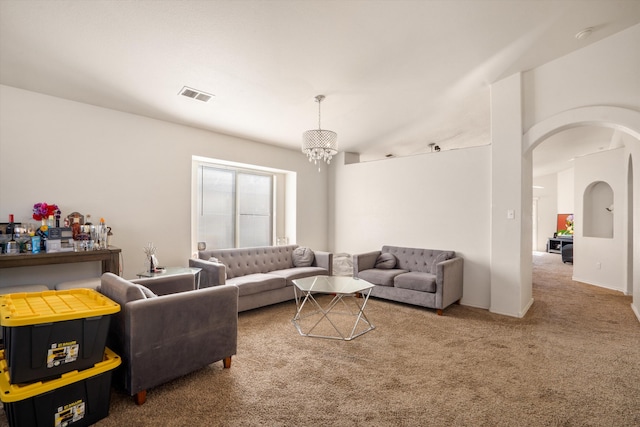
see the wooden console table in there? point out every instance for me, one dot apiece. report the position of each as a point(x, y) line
point(110, 259)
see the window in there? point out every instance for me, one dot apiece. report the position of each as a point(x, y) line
point(235, 207)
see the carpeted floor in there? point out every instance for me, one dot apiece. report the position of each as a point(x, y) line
point(573, 360)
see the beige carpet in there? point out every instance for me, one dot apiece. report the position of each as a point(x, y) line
point(574, 360)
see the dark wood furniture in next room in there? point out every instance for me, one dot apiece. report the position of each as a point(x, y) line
point(555, 244)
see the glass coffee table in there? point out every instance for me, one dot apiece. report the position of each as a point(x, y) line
point(341, 317)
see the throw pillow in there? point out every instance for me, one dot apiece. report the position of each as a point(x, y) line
point(302, 257)
point(213, 259)
point(386, 261)
point(148, 293)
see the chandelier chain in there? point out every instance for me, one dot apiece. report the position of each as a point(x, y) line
point(319, 101)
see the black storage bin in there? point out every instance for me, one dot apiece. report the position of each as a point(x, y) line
point(77, 399)
point(47, 334)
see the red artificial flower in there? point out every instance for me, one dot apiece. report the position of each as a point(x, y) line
point(43, 211)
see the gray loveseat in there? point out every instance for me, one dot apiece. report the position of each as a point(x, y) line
point(263, 275)
point(425, 277)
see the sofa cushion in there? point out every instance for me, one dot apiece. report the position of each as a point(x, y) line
point(299, 272)
point(417, 281)
point(380, 277)
point(302, 257)
point(5, 290)
point(386, 261)
point(442, 256)
point(120, 290)
point(255, 283)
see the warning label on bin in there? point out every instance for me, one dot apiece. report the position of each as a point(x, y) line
point(69, 413)
point(61, 353)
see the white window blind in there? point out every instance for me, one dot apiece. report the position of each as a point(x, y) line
point(235, 207)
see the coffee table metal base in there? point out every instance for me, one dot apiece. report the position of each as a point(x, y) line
point(329, 311)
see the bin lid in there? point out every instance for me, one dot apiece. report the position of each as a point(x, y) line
point(17, 392)
point(30, 308)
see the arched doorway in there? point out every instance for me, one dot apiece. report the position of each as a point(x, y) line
point(625, 120)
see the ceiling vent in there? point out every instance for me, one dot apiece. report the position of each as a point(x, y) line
point(195, 94)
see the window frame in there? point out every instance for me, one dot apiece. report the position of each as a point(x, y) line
point(285, 191)
point(236, 200)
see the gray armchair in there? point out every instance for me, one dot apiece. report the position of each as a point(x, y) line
point(166, 329)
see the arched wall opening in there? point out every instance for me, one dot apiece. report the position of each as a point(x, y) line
point(597, 210)
point(625, 120)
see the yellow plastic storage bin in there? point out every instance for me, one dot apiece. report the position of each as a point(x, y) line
point(77, 398)
point(49, 333)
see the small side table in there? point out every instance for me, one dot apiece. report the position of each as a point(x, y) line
point(173, 271)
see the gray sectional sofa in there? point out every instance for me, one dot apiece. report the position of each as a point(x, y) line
point(425, 277)
point(263, 275)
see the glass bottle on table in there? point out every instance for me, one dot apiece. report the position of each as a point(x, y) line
point(12, 245)
point(75, 228)
point(10, 227)
point(102, 233)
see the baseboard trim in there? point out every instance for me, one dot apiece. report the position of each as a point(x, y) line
point(577, 279)
point(524, 311)
point(519, 315)
point(474, 305)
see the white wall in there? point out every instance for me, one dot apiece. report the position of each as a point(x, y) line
point(603, 73)
point(632, 224)
point(132, 170)
point(566, 184)
point(547, 208)
point(512, 196)
point(597, 260)
point(434, 201)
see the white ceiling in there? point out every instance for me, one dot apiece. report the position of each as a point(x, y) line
point(397, 75)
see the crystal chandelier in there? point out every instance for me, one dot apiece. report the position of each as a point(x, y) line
point(319, 144)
